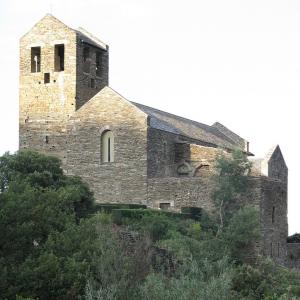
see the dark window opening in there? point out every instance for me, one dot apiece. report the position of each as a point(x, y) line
point(164, 206)
point(46, 77)
point(86, 53)
point(165, 149)
point(278, 249)
point(46, 139)
point(271, 252)
point(108, 149)
point(92, 83)
point(273, 214)
point(35, 59)
point(59, 58)
point(86, 59)
point(99, 59)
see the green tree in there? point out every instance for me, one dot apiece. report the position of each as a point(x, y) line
point(36, 201)
point(231, 182)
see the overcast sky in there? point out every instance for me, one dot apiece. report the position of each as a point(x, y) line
point(236, 62)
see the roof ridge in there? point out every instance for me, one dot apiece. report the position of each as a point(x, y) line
point(205, 129)
point(165, 112)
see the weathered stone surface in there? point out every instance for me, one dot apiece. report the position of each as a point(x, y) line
point(125, 179)
point(273, 212)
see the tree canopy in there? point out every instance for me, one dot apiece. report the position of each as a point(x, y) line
point(54, 246)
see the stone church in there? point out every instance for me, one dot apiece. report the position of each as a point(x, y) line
point(128, 152)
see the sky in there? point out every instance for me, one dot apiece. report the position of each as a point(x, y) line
point(235, 62)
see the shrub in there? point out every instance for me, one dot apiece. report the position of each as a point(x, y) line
point(120, 215)
point(108, 207)
point(195, 212)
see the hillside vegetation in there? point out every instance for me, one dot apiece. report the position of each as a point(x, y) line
point(56, 243)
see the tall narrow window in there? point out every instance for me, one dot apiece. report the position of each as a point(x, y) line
point(86, 59)
point(271, 252)
point(165, 150)
point(107, 146)
point(86, 53)
point(92, 83)
point(99, 63)
point(273, 214)
point(59, 58)
point(35, 59)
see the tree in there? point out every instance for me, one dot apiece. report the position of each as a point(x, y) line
point(231, 182)
point(36, 201)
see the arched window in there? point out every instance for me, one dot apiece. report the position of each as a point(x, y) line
point(107, 146)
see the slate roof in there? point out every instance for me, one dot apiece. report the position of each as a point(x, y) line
point(206, 134)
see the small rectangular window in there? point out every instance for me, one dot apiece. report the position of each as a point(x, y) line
point(46, 78)
point(164, 206)
point(35, 59)
point(46, 139)
point(59, 57)
point(273, 214)
point(99, 58)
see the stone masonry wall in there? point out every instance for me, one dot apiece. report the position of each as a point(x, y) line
point(125, 179)
point(161, 153)
point(46, 107)
point(167, 153)
point(273, 209)
point(86, 72)
point(180, 192)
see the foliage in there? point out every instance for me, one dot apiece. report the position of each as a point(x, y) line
point(208, 282)
point(231, 182)
point(241, 233)
point(121, 216)
point(36, 201)
point(108, 207)
point(265, 279)
point(54, 246)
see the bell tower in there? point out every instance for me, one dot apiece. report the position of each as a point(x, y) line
point(60, 70)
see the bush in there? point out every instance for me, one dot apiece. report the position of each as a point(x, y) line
point(108, 207)
point(266, 280)
point(120, 215)
point(195, 212)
